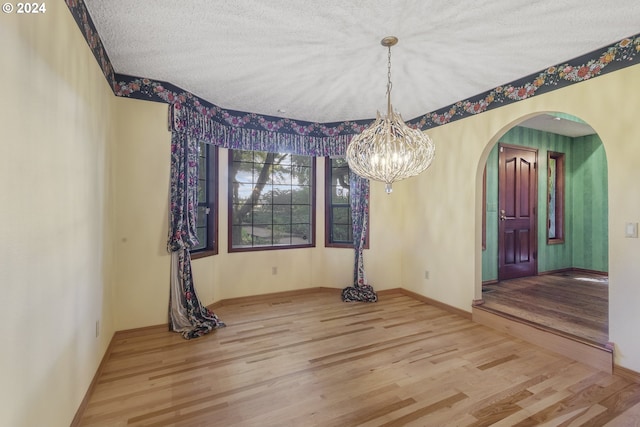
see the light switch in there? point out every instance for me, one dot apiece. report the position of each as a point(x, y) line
point(631, 230)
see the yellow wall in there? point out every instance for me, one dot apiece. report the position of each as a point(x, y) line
point(443, 222)
point(57, 121)
point(141, 162)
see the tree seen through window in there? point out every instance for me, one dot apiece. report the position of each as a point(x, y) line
point(271, 200)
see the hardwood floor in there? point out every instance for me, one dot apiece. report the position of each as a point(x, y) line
point(312, 360)
point(574, 303)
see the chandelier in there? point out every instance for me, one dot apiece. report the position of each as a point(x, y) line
point(389, 150)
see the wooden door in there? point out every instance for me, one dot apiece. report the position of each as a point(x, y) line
point(517, 197)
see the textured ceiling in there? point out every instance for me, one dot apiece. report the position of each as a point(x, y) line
point(323, 62)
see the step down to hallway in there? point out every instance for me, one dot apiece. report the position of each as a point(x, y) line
point(581, 350)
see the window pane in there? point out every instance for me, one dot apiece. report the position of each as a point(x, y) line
point(342, 229)
point(244, 173)
point(552, 198)
point(282, 234)
point(301, 194)
point(241, 235)
point(282, 214)
point(340, 181)
point(282, 194)
point(202, 187)
point(202, 216)
point(284, 159)
point(338, 226)
point(263, 214)
point(278, 194)
point(239, 216)
point(555, 197)
point(281, 174)
point(301, 233)
point(301, 213)
point(206, 197)
point(202, 160)
point(256, 171)
point(265, 195)
point(340, 195)
point(342, 215)
point(261, 234)
point(300, 175)
point(342, 233)
point(202, 239)
point(242, 192)
point(301, 160)
point(242, 156)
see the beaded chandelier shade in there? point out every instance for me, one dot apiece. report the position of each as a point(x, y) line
point(389, 150)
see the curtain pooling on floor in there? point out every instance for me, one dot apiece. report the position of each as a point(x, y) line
point(360, 290)
point(186, 314)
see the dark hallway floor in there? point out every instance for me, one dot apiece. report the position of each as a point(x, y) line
point(573, 302)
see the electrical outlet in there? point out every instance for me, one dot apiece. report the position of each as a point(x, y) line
point(426, 274)
point(274, 270)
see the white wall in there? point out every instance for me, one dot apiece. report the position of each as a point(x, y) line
point(443, 223)
point(56, 117)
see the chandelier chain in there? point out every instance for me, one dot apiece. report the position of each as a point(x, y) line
point(389, 80)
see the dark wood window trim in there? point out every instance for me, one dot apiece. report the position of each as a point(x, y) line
point(211, 202)
point(329, 209)
point(312, 207)
point(559, 197)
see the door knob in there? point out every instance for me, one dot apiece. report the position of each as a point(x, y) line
point(503, 215)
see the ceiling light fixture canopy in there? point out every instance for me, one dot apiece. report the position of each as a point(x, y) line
point(389, 150)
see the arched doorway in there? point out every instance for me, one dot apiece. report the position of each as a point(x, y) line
point(568, 244)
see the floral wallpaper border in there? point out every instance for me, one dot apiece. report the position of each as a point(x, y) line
point(85, 24)
point(622, 54)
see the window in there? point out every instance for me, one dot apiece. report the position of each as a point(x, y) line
point(271, 200)
point(338, 226)
point(207, 197)
point(555, 197)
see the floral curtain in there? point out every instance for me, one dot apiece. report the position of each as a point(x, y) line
point(186, 314)
point(361, 290)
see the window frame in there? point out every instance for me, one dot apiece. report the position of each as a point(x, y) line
point(312, 208)
point(211, 179)
point(560, 178)
point(328, 209)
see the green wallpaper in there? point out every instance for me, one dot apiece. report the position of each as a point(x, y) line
point(586, 239)
point(590, 203)
point(490, 254)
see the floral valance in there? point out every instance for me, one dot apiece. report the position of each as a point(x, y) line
point(239, 136)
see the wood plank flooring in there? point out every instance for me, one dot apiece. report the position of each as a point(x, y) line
point(573, 302)
point(312, 360)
